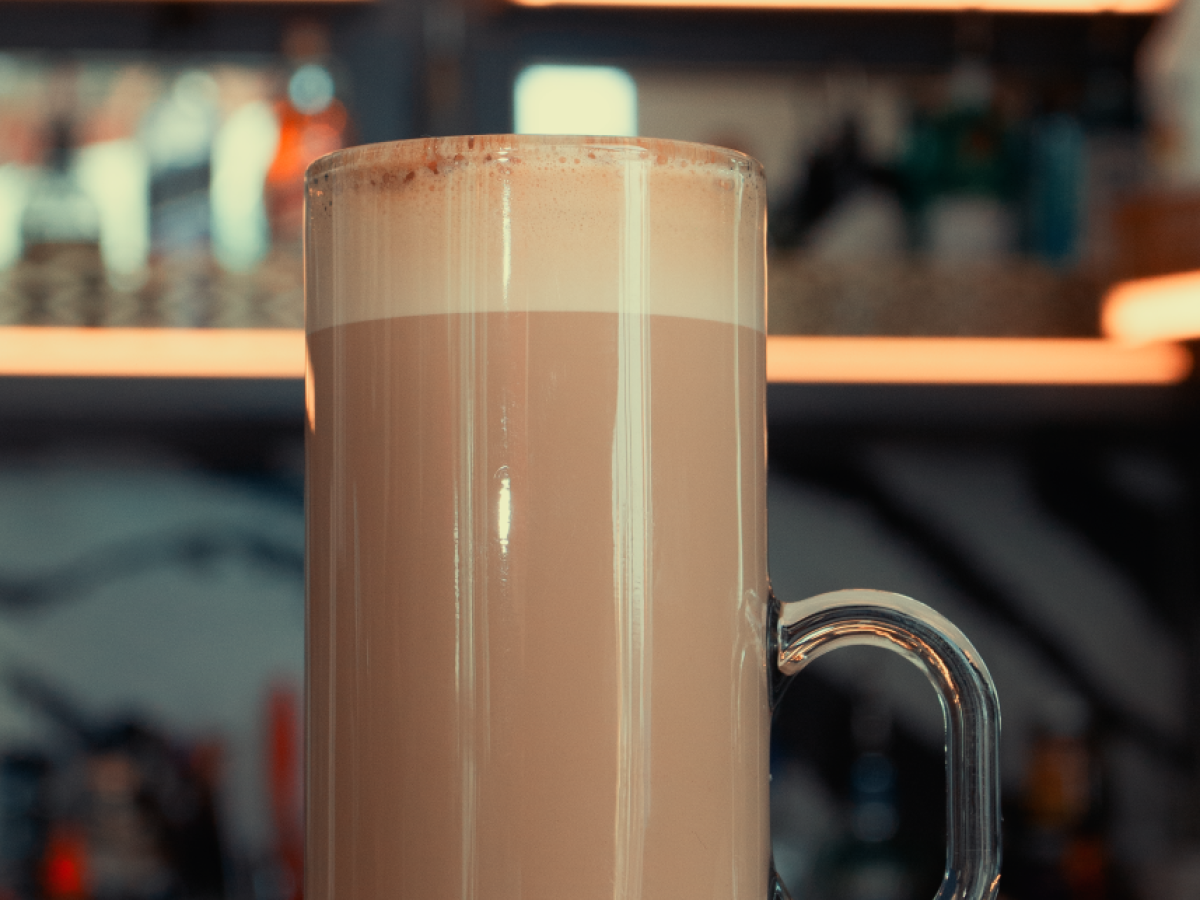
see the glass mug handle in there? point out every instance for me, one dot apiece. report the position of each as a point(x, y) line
point(801, 631)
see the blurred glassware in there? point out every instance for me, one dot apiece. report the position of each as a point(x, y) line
point(243, 151)
point(961, 172)
point(133, 192)
point(1058, 837)
point(20, 146)
point(58, 213)
point(1055, 185)
point(1169, 67)
point(65, 873)
point(24, 818)
point(112, 809)
point(177, 134)
point(112, 165)
point(285, 781)
point(60, 236)
point(869, 863)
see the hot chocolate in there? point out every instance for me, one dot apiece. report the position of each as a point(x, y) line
point(536, 523)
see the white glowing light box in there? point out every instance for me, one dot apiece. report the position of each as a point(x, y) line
point(599, 100)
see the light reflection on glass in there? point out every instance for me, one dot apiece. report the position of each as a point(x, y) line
point(504, 510)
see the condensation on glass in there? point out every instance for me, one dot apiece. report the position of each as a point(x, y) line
point(539, 618)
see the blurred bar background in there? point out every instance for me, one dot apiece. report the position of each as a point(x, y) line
point(984, 293)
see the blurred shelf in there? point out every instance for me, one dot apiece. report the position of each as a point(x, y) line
point(199, 2)
point(135, 379)
point(1087, 7)
point(1010, 298)
point(165, 28)
point(70, 287)
point(798, 412)
point(219, 407)
point(999, 386)
point(973, 361)
point(912, 41)
point(278, 353)
point(118, 401)
point(152, 378)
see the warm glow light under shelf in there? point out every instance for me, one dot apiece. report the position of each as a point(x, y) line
point(279, 353)
point(1024, 6)
point(153, 352)
point(875, 360)
point(1154, 309)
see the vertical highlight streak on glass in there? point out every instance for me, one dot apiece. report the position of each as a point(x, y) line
point(506, 237)
point(504, 511)
point(310, 391)
point(470, 529)
point(739, 661)
point(631, 469)
point(362, 724)
point(331, 700)
point(339, 468)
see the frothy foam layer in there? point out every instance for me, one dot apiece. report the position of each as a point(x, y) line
point(533, 224)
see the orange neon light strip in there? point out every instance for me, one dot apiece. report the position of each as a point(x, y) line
point(153, 352)
point(1154, 309)
point(874, 360)
point(227, 2)
point(279, 353)
point(1025, 6)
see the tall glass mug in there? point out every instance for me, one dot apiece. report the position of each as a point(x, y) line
point(542, 648)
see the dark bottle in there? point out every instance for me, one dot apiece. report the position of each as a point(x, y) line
point(1058, 847)
point(312, 122)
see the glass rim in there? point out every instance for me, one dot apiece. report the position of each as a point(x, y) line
point(428, 152)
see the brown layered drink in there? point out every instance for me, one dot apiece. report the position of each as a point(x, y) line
point(536, 523)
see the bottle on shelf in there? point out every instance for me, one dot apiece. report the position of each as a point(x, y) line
point(1059, 849)
point(177, 134)
point(868, 863)
point(312, 122)
point(112, 166)
point(62, 281)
